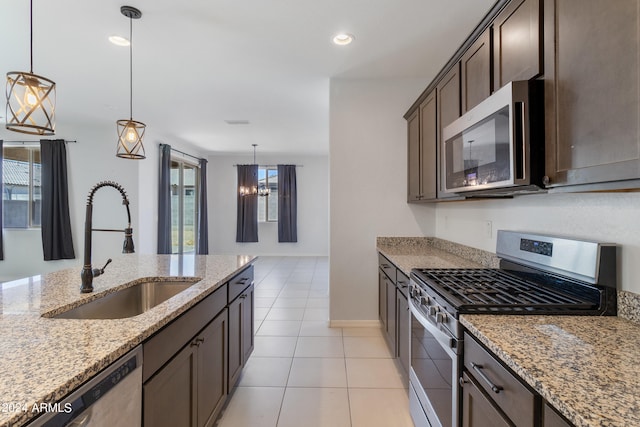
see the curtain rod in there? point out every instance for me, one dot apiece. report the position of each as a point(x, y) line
point(37, 142)
point(270, 166)
point(183, 153)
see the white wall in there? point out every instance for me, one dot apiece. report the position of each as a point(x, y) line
point(368, 191)
point(313, 211)
point(603, 217)
point(89, 161)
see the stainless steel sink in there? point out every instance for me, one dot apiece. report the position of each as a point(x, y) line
point(130, 301)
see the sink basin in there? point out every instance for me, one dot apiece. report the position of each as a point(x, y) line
point(130, 301)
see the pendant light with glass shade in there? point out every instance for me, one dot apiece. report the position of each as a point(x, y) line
point(31, 99)
point(130, 132)
point(260, 190)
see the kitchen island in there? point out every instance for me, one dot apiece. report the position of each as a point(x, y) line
point(42, 359)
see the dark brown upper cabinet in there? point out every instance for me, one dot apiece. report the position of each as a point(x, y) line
point(517, 43)
point(448, 97)
point(592, 94)
point(428, 143)
point(422, 138)
point(475, 66)
point(413, 157)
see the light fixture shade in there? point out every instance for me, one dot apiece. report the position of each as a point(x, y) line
point(130, 135)
point(31, 103)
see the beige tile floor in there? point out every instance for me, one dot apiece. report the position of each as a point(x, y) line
point(303, 373)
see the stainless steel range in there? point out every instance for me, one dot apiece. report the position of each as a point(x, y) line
point(538, 274)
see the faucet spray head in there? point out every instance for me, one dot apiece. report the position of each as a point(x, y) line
point(127, 247)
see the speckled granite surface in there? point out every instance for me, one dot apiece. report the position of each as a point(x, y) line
point(629, 306)
point(430, 252)
point(586, 367)
point(43, 359)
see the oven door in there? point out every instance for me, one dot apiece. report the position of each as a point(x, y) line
point(433, 374)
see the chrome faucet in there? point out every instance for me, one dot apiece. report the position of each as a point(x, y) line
point(87, 273)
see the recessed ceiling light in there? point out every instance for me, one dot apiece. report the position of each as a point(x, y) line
point(343, 39)
point(237, 122)
point(119, 40)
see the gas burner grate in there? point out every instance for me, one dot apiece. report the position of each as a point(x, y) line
point(494, 290)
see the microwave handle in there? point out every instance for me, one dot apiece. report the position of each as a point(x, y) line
point(520, 143)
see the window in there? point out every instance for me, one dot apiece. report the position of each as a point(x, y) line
point(184, 206)
point(268, 205)
point(21, 189)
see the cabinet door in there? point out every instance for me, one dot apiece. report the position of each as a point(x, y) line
point(403, 332)
point(477, 410)
point(236, 357)
point(448, 100)
point(170, 396)
point(475, 67)
point(592, 95)
point(247, 323)
point(391, 331)
point(382, 299)
point(413, 157)
point(428, 143)
point(517, 43)
point(552, 419)
point(212, 370)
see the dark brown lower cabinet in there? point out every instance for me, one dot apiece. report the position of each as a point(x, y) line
point(552, 419)
point(240, 333)
point(477, 409)
point(403, 331)
point(190, 389)
point(212, 370)
point(390, 333)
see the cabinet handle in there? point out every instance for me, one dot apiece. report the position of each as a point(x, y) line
point(385, 265)
point(461, 381)
point(199, 340)
point(243, 296)
point(403, 284)
point(481, 374)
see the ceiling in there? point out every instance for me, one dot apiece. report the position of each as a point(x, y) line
point(198, 63)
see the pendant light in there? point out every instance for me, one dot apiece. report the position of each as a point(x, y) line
point(261, 190)
point(130, 132)
point(31, 99)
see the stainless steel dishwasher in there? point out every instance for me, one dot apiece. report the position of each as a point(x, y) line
point(113, 398)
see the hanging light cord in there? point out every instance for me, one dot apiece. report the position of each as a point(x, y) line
point(130, 67)
point(31, 33)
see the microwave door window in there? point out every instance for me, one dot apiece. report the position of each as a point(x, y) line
point(480, 154)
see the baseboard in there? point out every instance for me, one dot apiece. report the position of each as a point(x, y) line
point(354, 324)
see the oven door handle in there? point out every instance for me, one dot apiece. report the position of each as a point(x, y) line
point(447, 342)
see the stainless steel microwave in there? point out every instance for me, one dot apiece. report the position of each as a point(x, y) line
point(497, 147)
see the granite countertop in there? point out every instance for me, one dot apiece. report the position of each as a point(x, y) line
point(430, 252)
point(586, 367)
point(43, 359)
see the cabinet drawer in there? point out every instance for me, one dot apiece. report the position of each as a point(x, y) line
point(240, 282)
point(168, 341)
point(402, 282)
point(513, 398)
point(387, 266)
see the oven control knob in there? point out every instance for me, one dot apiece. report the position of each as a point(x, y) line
point(425, 300)
point(433, 310)
point(415, 292)
point(441, 317)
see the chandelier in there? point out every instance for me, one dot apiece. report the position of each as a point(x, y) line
point(130, 132)
point(31, 99)
point(261, 189)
